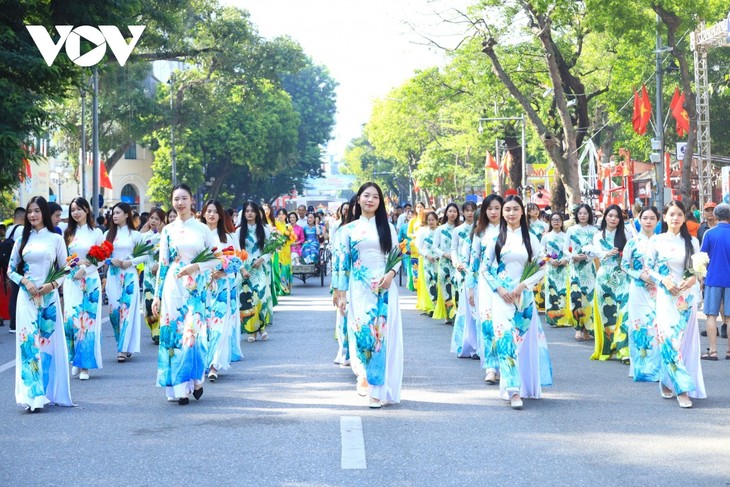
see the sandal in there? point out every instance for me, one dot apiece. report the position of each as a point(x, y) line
point(121, 357)
point(727, 356)
point(710, 355)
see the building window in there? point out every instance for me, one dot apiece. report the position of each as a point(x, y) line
point(131, 152)
point(129, 195)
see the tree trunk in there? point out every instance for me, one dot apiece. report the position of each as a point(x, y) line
point(557, 195)
point(112, 160)
point(565, 159)
point(673, 23)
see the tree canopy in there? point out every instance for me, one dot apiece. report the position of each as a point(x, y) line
point(250, 114)
point(570, 67)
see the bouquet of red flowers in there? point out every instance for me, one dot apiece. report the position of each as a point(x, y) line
point(99, 253)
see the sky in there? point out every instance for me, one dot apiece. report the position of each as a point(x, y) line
point(366, 45)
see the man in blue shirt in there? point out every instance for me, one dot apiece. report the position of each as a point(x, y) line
point(716, 243)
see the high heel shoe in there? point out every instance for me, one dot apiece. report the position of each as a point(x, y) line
point(198, 393)
point(183, 401)
point(684, 402)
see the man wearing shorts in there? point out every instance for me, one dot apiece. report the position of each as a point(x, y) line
point(716, 243)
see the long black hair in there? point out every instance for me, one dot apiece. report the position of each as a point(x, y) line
point(260, 232)
point(221, 225)
point(653, 209)
point(47, 222)
point(683, 231)
point(562, 221)
point(112, 233)
point(381, 216)
point(72, 225)
point(483, 220)
point(502, 238)
point(445, 218)
point(269, 219)
point(588, 209)
point(350, 215)
point(619, 240)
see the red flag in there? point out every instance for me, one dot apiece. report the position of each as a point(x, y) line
point(491, 163)
point(679, 113)
point(642, 111)
point(26, 172)
point(667, 170)
point(636, 119)
point(104, 180)
point(507, 162)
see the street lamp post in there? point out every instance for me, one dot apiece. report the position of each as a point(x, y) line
point(521, 119)
point(59, 175)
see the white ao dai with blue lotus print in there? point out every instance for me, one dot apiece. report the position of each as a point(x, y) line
point(524, 362)
point(41, 357)
point(83, 303)
point(373, 315)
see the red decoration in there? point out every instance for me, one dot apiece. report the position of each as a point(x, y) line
point(642, 111)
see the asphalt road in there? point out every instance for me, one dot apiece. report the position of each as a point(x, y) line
point(275, 420)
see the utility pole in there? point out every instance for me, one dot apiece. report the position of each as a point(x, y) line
point(657, 144)
point(95, 144)
point(82, 162)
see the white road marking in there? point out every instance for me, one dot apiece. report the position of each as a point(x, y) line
point(353, 443)
point(11, 364)
point(7, 366)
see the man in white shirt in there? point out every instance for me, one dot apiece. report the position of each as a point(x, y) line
point(302, 214)
point(402, 217)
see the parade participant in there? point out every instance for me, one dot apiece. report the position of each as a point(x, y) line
point(416, 268)
point(255, 299)
point(670, 257)
point(538, 228)
point(515, 320)
point(41, 357)
point(374, 311)
point(428, 274)
point(557, 312)
point(447, 290)
point(464, 336)
point(223, 318)
point(481, 295)
point(171, 215)
point(343, 356)
point(611, 290)
point(284, 254)
point(582, 272)
point(180, 301)
point(122, 282)
point(155, 224)
point(82, 292)
point(641, 309)
point(405, 244)
point(310, 247)
point(296, 246)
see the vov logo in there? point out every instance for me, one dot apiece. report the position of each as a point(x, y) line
point(105, 34)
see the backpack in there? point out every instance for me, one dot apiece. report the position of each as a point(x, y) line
point(6, 248)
